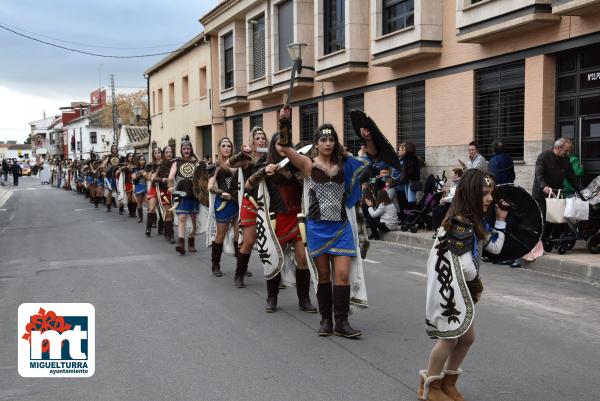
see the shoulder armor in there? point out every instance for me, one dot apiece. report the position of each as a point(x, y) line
point(460, 237)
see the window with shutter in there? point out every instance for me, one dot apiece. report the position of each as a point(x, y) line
point(410, 115)
point(258, 46)
point(500, 108)
point(353, 142)
point(309, 120)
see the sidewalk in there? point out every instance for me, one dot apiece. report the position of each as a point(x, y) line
point(578, 263)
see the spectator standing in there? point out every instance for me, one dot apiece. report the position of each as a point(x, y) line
point(501, 165)
point(552, 167)
point(410, 174)
point(5, 169)
point(475, 160)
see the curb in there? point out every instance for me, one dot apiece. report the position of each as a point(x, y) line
point(549, 263)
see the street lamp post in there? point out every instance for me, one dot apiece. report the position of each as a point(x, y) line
point(295, 51)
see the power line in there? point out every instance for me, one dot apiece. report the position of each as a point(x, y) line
point(87, 44)
point(94, 54)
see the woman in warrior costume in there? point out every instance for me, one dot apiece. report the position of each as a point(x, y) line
point(98, 182)
point(180, 179)
point(333, 180)
point(110, 167)
point(153, 196)
point(130, 165)
point(285, 194)
point(453, 282)
point(249, 160)
point(224, 185)
point(139, 176)
point(89, 178)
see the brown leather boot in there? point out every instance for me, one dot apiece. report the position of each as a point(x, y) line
point(180, 247)
point(217, 250)
point(324, 298)
point(449, 384)
point(240, 270)
point(341, 308)
point(302, 290)
point(192, 244)
point(430, 388)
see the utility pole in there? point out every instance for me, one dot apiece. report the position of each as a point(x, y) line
point(115, 115)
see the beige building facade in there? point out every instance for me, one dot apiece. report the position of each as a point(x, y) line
point(181, 98)
point(440, 73)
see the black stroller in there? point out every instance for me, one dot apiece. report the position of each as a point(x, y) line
point(420, 216)
point(588, 230)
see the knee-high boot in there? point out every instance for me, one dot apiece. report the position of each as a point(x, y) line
point(169, 233)
point(325, 305)
point(341, 307)
point(131, 208)
point(180, 247)
point(140, 213)
point(161, 227)
point(217, 251)
point(272, 292)
point(302, 290)
point(192, 243)
point(150, 218)
point(241, 269)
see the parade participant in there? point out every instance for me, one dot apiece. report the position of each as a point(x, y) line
point(153, 195)
point(249, 160)
point(180, 179)
point(98, 182)
point(223, 185)
point(130, 165)
point(89, 177)
point(285, 195)
point(139, 176)
point(453, 281)
point(110, 167)
point(165, 222)
point(331, 190)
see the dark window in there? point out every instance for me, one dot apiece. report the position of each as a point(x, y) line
point(286, 32)
point(398, 14)
point(228, 58)
point(258, 46)
point(566, 84)
point(238, 134)
point(309, 121)
point(334, 25)
point(353, 142)
point(410, 116)
point(93, 137)
point(256, 121)
point(500, 103)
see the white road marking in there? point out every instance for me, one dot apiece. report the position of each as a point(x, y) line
point(418, 274)
point(370, 261)
point(519, 302)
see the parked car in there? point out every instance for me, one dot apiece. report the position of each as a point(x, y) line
point(25, 169)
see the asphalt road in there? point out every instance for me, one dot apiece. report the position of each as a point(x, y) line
point(167, 330)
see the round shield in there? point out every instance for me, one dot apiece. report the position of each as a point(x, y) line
point(524, 223)
point(385, 150)
point(186, 169)
point(114, 161)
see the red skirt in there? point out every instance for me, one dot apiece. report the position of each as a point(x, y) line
point(151, 192)
point(128, 187)
point(286, 228)
point(247, 213)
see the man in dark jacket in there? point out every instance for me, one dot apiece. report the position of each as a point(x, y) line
point(5, 170)
point(501, 165)
point(551, 169)
point(16, 171)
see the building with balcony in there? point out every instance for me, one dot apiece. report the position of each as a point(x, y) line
point(182, 100)
point(439, 73)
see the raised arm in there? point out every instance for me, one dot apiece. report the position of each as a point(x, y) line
point(301, 162)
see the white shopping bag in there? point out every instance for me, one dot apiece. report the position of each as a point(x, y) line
point(577, 209)
point(555, 208)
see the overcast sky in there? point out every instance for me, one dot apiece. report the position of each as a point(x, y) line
point(35, 77)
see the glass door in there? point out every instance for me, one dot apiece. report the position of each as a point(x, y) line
point(589, 144)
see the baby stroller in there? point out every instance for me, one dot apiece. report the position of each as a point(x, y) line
point(588, 230)
point(420, 216)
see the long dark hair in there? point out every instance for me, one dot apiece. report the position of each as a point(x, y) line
point(383, 197)
point(467, 204)
point(273, 157)
point(337, 156)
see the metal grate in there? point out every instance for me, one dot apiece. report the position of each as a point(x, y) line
point(351, 141)
point(309, 120)
point(238, 134)
point(410, 116)
point(500, 104)
point(256, 121)
point(258, 47)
